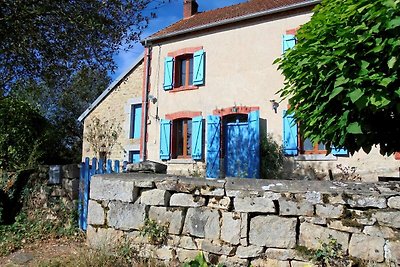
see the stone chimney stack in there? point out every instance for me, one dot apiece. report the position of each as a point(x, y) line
point(189, 8)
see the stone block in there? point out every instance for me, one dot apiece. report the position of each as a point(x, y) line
point(186, 200)
point(136, 237)
point(202, 222)
point(364, 217)
point(230, 227)
point(144, 183)
point(329, 211)
point(70, 171)
point(234, 261)
point(71, 187)
point(381, 231)
point(314, 197)
point(389, 218)
point(147, 167)
point(393, 253)
point(95, 213)
point(188, 242)
point(173, 217)
point(244, 229)
point(155, 197)
point(212, 191)
point(218, 248)
point(269, 263)
point(313, 220)
point(254, 204)
point(336, 199)
point(282, 254)
point(103, 238)
point(273, 231)
point(185, 255)
point(338, 225)
point(394, 202)
point(249, 251)
point(362, 201)
point(112, 189)
point(126, 216)
point(367, 247)
point(164, 253)
point(222, 203)
point(301, 264)
point(311, 235)
point(168, 184)
point(289, 207)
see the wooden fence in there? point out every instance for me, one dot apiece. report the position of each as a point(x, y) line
point(87, 170)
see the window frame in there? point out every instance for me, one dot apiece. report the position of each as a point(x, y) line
point(314, 151)
point(178, 83)
point(132, 121)
point(185, 139)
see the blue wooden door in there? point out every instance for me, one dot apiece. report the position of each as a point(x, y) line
point(236, 148)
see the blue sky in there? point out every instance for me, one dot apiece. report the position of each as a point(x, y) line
point(167, 13)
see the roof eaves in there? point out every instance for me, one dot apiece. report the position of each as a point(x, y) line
point(105, 93)
point(232, 20)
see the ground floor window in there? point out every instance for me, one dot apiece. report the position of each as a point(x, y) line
point(134, 156)
point(182, 138)
point(308, 147)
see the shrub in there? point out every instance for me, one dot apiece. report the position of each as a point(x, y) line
point(272, 158)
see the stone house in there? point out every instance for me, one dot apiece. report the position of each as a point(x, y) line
point(121, 105)
point(212, 85)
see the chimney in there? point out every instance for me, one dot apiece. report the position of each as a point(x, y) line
point(189, 8)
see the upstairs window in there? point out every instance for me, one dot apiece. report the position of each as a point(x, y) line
point(184, 69)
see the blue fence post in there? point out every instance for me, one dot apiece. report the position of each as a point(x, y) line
point(85, 198)
point(93, 169)
point(101, 168)
point(108, 167)
point(116, 166)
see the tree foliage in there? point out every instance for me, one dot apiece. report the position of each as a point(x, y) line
point(26, 138)
point(47, 39)
point(342, 77)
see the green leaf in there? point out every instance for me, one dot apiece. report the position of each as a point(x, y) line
point(354, 128)
point(335, 92)
point(391, 62)
point(386, 81)
point(355, 95)
point(394, 23)
point(341, 80)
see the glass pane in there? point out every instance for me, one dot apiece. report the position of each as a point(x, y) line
point(308, 145)
point(191, 71)
point(179, 138)
point(189, 138)
point(183, 71)
point(321, 146)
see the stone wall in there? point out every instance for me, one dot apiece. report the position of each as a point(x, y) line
point(239, 222)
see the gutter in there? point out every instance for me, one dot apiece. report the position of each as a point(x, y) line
point(146, 100)
point(148, 40)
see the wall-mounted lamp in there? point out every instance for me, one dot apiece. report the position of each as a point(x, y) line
point(153, 99)
point(275, 105)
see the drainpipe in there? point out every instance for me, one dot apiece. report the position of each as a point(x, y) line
point(147, 84)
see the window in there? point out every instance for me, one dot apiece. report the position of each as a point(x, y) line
point(135, 121)
point(294, 145)
point(184, 69)
point(182, 138)
point(134, 156)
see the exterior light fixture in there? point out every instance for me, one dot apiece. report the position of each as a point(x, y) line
point(153, 99)
point(275, 105)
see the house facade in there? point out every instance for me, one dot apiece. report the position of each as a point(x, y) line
point(118, 108)
point(210, 94)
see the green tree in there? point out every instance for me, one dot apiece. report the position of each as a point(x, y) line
point(61, 102)
point(342, 77)
point(26, 137)
point(48, 39)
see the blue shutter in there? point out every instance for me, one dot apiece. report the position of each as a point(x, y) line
point(339, 151)
point(198, 67)
point(168, 73)
point(288, 42)
point(197, 138)
point(290, 142)
point(165, 137)
point(254, 145)
point(213, 146)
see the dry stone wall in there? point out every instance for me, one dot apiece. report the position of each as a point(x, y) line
point(238, 222)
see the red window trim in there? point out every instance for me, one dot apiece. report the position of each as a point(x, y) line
point(292, 31)
point(182, 115)
point(397, 155)
point(234, 110)
point(184, 51)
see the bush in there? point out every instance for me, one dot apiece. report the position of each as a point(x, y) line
point(272, 158)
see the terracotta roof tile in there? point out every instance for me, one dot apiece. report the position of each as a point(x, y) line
point(225, 13)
